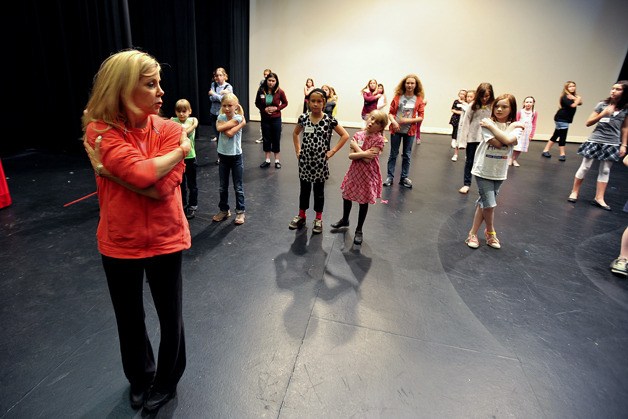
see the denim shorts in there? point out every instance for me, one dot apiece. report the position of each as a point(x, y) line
point(562, 124)
point(489, 189)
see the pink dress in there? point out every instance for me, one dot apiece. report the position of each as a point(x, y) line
point(363, 181)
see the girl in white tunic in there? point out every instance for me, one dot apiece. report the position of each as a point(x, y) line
point(528, 116)
point(499, 135)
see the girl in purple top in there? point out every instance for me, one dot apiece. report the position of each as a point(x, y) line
point(371, 96)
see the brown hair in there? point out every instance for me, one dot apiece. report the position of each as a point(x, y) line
point(418, 89)
point(513, 106)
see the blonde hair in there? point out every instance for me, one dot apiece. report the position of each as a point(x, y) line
point(367, 88)
point(379, 117)
point(332, 92)
point(111, 96)
point(230, 96)
point(565, 91)
point(223, 71)
point(182, 105)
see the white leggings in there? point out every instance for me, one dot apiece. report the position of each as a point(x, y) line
point(604, 170)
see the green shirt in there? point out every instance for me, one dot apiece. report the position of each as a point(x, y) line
point(188, 123)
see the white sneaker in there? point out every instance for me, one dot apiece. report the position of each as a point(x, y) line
point(464, 189)
point(259, 140)
point(454, 157)
point(619, 265)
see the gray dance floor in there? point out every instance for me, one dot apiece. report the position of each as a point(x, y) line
point(286, 324)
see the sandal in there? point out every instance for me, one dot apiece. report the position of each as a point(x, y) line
point(472, 241)
point(492, 240)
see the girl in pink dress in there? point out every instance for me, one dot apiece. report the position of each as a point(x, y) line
point(363, 181)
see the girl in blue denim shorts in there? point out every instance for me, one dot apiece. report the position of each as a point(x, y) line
point(490, 167)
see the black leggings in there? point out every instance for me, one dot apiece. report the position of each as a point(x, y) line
point(561, 134)
point(346, 210)
point(468, 162)
point(319, 195)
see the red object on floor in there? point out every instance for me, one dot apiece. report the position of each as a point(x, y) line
point(5, 197)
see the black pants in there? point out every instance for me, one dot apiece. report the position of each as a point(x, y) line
point(561, 135)
point(125, 278)
point(319, 195)
point(189, 189)
point(468, 162)
point(271, 131)
point(212, 122)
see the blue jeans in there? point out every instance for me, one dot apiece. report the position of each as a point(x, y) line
point(235, 165)
point(395, 142)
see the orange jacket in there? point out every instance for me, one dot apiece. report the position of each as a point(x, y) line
point(419, 110)
point(131, 225)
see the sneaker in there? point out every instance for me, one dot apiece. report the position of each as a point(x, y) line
point(492, 240)
point(388, 181)
point(297, 222)
point(277, 165)
point(472, 241)
point(618, 267)
point(317, 226)
point(406, 182)
point(562, 158)
point(546, 154)
point(239, 219)
point(190, 212)
point(453, 143)
point(222, 215)
point(464, 189)
point(454, 157)
point(213, 139)
point(265, 164)
point(260, 140)
point(357, 240)
point(340, 223)
point(515, 163)
point(218, 161)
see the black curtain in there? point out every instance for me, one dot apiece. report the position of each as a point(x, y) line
point(65, 41)
point(623, 74)
point(223, 41)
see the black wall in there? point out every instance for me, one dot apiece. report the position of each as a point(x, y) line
point(63, 43)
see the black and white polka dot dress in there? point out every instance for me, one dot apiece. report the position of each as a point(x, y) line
point(315, 144)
